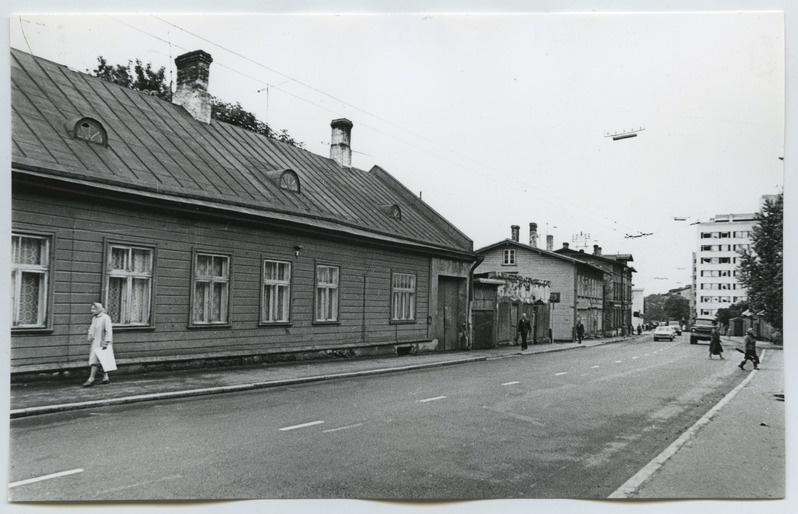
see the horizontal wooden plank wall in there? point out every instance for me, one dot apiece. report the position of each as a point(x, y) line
point(80, 230)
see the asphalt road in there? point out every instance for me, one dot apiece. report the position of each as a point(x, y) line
point(573, 424)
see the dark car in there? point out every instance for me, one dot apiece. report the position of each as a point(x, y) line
point(677, 328)
point(702, 329)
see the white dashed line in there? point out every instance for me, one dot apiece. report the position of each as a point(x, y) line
point(303, 425)
point(45, 477)
point(432, 399)
point(618, 362)
point(560, 373)
point(342, 428)
point(634, 358)
point(594, 367)
point(511, 383)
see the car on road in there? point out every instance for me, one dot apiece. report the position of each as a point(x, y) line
point(664, 332)
point(702, 329)
point(677, 329)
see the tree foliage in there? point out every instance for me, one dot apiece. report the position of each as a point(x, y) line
point(735, 311)
point(666, 307)
point(761, 268)
point(141, 77)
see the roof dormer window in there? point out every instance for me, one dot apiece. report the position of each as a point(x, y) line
point(289, 181)
point(91, 130)
point(396, 212)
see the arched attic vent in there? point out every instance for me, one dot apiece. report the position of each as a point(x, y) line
point(285, 179)
point(89, 130)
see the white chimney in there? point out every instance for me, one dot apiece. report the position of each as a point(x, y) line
point(340, 151)
point(550, 243)
point(193, 70)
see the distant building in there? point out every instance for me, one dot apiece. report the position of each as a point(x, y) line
point(575, 286)
point(715, 261)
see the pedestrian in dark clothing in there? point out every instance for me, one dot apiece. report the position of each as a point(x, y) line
point(524, 328)
point(715, 347)
point(580, 331)
point(750, 350)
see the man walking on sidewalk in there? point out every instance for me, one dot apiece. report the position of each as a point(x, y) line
point(750, 350)
point(524, 328)
point(580, 331)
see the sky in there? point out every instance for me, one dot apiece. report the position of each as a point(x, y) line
point(498, 120)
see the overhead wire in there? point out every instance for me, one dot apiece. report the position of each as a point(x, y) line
point(560, 202)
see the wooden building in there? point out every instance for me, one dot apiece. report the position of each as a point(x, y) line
point(205, 241)
point(575, 286)
point(617, 286)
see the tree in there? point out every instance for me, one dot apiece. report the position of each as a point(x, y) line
point(677, 308)
point(141, 77)
point(761, 268)
point(735, 311)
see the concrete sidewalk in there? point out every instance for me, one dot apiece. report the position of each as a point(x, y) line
point(736, 451)
point(61, 395)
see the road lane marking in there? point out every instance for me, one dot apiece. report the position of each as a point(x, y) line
point(45, 477)
point(634, 358)
point(139, 484)
point(432, 399)
point(560, 373)
point(342, 428)
point(629, 487)
point(618, 362)
point(594, 367)
point(511, 383)
point(303, 425)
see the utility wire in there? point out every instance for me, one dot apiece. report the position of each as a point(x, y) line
point(560, 202)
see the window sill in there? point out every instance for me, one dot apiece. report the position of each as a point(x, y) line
point(200, 326)
point(274, 324)
point(133, 328)
point(403, 321)
point(327, 322)
point(31, 330)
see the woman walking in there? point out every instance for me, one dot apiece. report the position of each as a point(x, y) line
point(100, 336)
point(714, 344)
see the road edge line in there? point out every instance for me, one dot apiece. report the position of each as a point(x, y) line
point(633, 484)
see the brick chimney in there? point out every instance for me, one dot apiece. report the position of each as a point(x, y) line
point(550, 243)
point(599, 251)
point(192, 84)
point(533, 234)
point(340, 151)
point(596, 250)
point(565, 246)
point(514, 230)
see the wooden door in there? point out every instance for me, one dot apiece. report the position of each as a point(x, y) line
point(483, 329)
point(451, 312)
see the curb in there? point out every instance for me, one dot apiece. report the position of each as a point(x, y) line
point(50, 409)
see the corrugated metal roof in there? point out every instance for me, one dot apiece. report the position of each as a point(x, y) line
point(156, 146)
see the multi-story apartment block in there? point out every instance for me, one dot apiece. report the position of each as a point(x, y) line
point(715, 261)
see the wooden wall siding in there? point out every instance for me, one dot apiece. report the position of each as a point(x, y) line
point(156, 145)
point(534, 265)
point(80, 230)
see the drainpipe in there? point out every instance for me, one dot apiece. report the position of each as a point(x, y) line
point(469, 325)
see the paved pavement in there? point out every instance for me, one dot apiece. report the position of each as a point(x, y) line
point(756, 446)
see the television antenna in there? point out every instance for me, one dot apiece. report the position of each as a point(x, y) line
point(581, 237)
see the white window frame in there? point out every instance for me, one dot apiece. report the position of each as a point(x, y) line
point(403, 297)
point(326, 298)
point(129, 276)
point(18, 270)
point(269, 298)
point(211, 281)
point(509, 257)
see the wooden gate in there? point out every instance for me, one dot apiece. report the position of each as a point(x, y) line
point(483, 329)
point(451, 312)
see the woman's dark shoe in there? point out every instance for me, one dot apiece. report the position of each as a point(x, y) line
point(88, 383)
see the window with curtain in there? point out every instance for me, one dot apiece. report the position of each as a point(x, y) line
point(276, 291)
point(403, 297)
point(327, 293)
point(30, 273)
point(128, 285)
point(211, 289)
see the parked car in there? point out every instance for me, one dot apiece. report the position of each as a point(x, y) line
point(664, 332)
point(702, 329)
